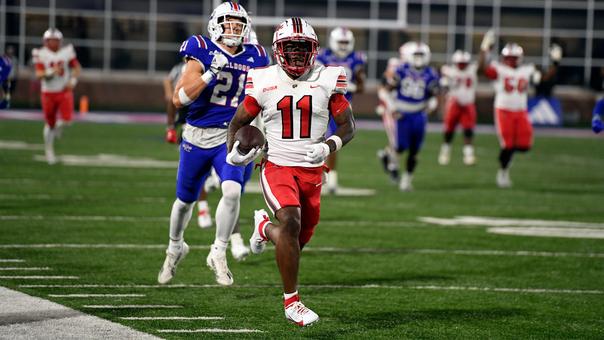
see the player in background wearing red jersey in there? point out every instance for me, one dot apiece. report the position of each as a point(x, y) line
point(295, 99)
point(58, 68)
point(511, 80)
point(460, 79)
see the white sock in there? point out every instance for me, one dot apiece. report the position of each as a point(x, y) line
point(332, 179)
point(175, 247)
point(179, 218)
point(202, 205)
point(49, 137)
point(468, 150)
point(289, 295)
point(227, 213)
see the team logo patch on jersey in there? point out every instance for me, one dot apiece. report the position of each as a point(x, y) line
point(187, 147)
point(270, 88)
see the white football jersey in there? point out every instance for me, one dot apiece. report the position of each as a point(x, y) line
point(462, 83)
point(295, 112)
point(512, 85)
point(44, 57)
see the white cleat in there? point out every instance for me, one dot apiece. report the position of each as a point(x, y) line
point(257, 242)
point(468, 155)
point(444, 157)
point(168, 270)
point(299, 314)
point(51, 159)
point(406, 182)
point(238, 248)
point(218, 264)
point(503, 178)
point(204, 218)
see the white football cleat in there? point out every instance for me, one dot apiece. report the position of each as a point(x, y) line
point(405, 184)
point(218, 264)
point(299, 314)
point(168, 270)
point(257, 241)
point(204, 218)
point(503, 178)
point(238, 248)
point(444, 157)
point(468, 155)
point(51, 159)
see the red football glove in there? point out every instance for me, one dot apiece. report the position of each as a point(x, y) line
point(171, 136)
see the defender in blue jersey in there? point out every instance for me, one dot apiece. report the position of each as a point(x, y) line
point(5, 68)
point(211, 87)
point(341, 53)
point(415, 85)
point(596, 122)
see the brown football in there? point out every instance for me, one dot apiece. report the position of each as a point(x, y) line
point(249, 137)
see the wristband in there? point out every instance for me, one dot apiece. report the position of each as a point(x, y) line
point(337, 141)
point(208, 76)
point(49, 72)
point(182, 96)
point(73, 81)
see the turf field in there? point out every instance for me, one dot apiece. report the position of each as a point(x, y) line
point(373, 269)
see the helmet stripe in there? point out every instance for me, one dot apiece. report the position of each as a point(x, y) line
point(235, 5)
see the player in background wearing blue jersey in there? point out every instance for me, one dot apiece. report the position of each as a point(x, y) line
point(212, 86)
point(415, 85)
point(341, 53)
point(5, 68)
point(596, 122)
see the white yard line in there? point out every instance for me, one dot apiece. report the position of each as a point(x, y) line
point(470, 252)
point(26, 197)
point(335, 286)
point(28, 317)
point(210, 330)
point(507, 222)
point(131, 306)
point(39, 277)
point(24, 268)
point(95, 295)
point(145, 318)
point(11, 261)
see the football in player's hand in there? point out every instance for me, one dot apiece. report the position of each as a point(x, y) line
point(249, 137)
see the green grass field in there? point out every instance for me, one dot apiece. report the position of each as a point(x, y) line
point(373, 270)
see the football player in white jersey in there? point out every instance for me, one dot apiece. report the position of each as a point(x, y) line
point(294, 98)
point(58, 68)
point(386, 110)
point(460, 79)
point(511, 79)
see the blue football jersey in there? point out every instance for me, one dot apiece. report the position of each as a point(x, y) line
point(216, 105)
point(350, 63)
point(415, 87)
point(599, 108)
point(5, 67)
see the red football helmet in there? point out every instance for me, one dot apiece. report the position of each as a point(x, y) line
point(295, 46)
